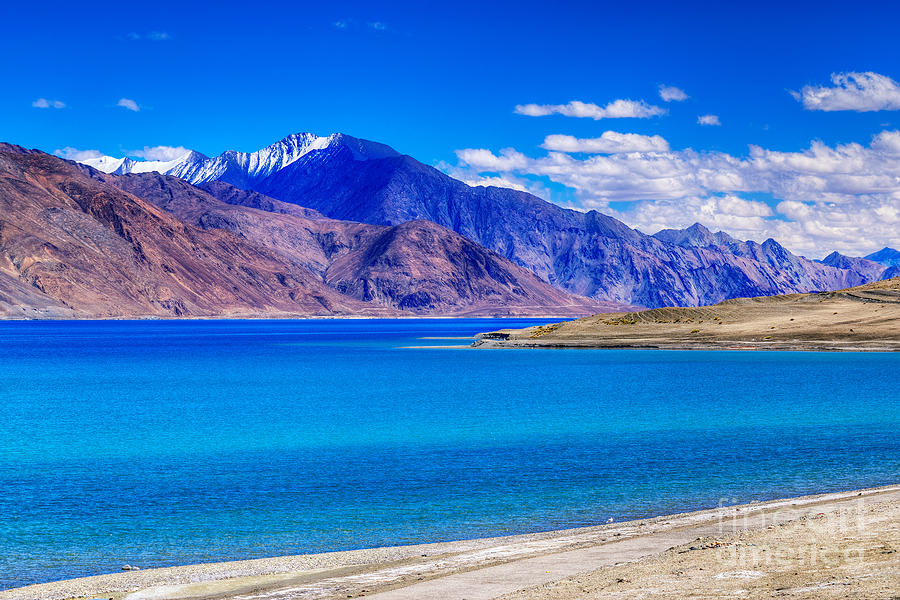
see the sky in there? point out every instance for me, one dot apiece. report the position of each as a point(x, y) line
point(768, 119)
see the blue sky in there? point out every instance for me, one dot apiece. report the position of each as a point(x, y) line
point(433, 80)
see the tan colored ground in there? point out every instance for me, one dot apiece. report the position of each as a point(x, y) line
point(861, 318)
point(853, 553)
point(808, 547)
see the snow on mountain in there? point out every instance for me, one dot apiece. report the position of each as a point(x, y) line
point(241, 168)
point(108, 164)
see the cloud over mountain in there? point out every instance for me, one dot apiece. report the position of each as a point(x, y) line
point(70, 153)
point(845, 197)
point(163, 153)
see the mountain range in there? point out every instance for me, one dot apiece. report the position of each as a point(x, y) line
point(342, 226)
point(583, 253)
point(76, 242)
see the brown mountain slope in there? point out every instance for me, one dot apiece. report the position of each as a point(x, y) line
point(87, 249)
point(417, 267)
point(420, 265)
point(861, 318)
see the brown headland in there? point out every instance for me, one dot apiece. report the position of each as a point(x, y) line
point(866, 317)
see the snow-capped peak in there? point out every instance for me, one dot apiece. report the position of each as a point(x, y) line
point(122, 166)
point(108, 164)
point(270, 159)
point(243, 168)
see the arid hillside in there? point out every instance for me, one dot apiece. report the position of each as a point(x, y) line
point(860, 318)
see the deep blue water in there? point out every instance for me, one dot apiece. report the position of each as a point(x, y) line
point(159, 443)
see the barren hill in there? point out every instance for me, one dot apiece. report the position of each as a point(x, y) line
point(866, 317)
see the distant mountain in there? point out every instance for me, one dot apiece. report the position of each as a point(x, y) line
point(588, 254)
point(891, 272)
point(870, 269)
point(886, 256)
point(417, 266)
point(695, 236)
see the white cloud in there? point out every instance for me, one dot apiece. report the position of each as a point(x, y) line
point(163, 153)
point(45, 103)
point(129, 104)
point(354, 25)
point(861, 92)
point(709, 120)
point(70, 153)
point(504, 182)
point(611, 142)
point(618, 109)
point(845, 197)
point(741, 217)
point(153, 36)
point(487, 161)
point(670, 93)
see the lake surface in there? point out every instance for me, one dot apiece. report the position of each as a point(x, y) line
point(160, 443)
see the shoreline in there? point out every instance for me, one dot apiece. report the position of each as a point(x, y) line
point(405, 568)
point(724, 346)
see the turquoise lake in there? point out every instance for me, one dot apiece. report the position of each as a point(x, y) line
point(156, 443)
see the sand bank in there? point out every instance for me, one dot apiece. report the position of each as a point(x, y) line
point(709, 550)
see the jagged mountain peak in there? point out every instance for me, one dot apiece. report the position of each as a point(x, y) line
point(697, 236)
point(888, 257)
point(242, 168)
point(871, 269)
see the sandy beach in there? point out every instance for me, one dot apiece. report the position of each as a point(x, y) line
point(865, 318)
point(832, 545)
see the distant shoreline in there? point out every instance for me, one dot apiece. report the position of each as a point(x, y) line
point(404, 569)
point(860, 319)
point(823, 346)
